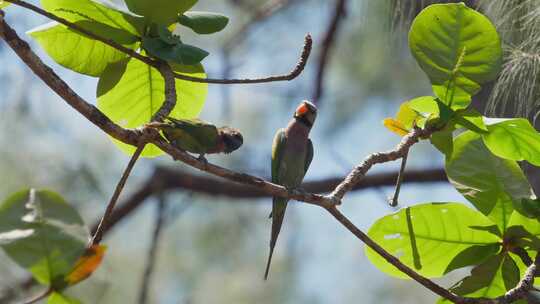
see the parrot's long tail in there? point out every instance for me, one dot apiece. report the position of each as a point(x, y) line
point(269, 261)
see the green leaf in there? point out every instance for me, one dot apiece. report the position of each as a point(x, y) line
point(491, 279)
point(493, 229)
point(164, 12)
point(473, 255)
point(528, 207)
point(42, 233)
point(513, 139)
point(531, 225)
point(130, 92)
point(204, 22)
point(490, 183)
point(178, 53)
point(470, 119)
point(58, 298)
point(443, 141)
point(77, 52)
point(428, 237)
point(92, 12)
point(437, 113)
point(3, 4)
point(458, 48)
point(426, 105)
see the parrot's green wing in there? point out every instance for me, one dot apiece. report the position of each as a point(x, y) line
point(277, 150)
point(197, 135)
point(309, 155)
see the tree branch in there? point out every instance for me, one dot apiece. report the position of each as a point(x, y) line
point(286, 77)
point(167, 179)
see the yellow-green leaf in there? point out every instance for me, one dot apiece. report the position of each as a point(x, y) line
point(78, 52)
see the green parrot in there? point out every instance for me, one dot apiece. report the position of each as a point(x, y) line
point(198, 136)
point(292, 152)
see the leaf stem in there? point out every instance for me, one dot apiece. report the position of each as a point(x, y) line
point(394, 201)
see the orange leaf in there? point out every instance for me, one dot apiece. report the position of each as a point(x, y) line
point(87, 264)
point(395, 126)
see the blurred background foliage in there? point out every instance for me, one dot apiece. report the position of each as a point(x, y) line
point(213, 249)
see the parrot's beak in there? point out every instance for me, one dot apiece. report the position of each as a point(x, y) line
point(306, 112)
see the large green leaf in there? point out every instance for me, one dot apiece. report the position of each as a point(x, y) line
point(490, 183)
point(3, 4)
point(164, 12)
point(443, 141)
point(513, 139)
point(78, 52)
point(428, 237)
point(204, 22)
point(94, 11)
point(130, 93)
point(458, 48)
point(491, 279)
point(42, 233)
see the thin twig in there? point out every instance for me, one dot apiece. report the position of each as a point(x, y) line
point(40, 297)
point(130, 52)
point(394, 201)
point(328, 42)
point(98, 235)
point(151, 258)
point(376, 158)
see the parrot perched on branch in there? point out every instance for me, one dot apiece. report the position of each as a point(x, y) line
point(200, 137)
point(292, 152)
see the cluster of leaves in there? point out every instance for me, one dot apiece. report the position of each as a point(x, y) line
point(45, 235)
point(459, 49)
point(129, 91)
